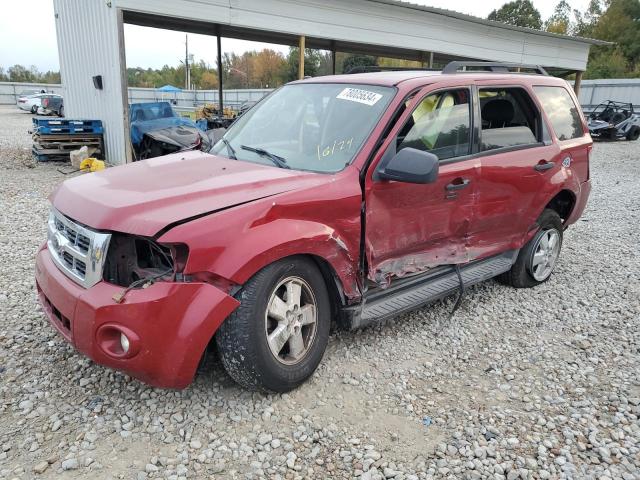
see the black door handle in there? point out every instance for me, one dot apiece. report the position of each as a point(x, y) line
point(541, 167)
point(452, 187)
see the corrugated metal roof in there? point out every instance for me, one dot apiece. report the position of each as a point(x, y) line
point(490, 23)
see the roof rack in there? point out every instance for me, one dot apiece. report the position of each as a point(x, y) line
point(376, 68)
point(496, 67)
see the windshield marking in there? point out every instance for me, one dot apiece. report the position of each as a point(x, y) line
point(360, 96)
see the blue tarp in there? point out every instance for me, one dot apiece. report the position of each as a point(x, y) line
point(147, 117)
point(169, 88)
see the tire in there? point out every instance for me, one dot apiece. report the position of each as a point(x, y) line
point(61, 111)
point(243, 339)
point(633, 133)
point(34, 109)
point(523, 273)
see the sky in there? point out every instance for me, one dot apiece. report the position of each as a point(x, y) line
point(28, 35)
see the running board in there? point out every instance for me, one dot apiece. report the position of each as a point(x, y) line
point(410, 293)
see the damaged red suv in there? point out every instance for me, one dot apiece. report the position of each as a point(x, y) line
point(346, 199)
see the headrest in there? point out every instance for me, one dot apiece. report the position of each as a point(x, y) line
point(498, 111)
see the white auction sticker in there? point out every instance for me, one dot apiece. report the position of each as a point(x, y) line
point(360, 96)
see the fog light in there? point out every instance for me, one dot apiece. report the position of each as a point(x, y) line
point(124, 342)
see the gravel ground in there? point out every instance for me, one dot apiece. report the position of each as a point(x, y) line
point(539, 383)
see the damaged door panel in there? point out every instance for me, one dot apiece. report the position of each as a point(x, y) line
point(410, 227)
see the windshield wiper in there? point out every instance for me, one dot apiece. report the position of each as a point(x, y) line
point(232, 151)
point(276, 159)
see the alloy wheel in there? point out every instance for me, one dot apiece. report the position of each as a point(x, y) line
point(290, 320)
point(545, 254)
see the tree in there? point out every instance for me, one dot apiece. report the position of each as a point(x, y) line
point(311, 63)
point(520, 13)
point(586, 21)
point(605, 64)
point(560, 20)
point(353, 61)
point(268, 68)
point(620, 23)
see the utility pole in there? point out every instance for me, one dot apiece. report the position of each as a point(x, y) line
point(187, 79)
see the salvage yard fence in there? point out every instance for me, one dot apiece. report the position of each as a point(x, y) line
point(185, 99)
point(592, 92)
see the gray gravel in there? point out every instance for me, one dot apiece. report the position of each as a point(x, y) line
point(540, 383)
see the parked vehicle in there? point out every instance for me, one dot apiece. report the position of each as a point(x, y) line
point(51, 104)
point(347, 198)
point(29, 100)
point(613, 120)
point(157, 130)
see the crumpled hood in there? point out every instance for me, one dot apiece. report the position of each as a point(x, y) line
point(144, 197)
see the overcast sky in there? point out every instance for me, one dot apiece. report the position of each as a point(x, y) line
point(28, 35)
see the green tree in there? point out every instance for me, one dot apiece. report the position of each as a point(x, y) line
point(587, 20)
point(620, 23)
point(560, 20)
point(353, 61)
point(520, 13)
point(311, 63)
point(607, 64)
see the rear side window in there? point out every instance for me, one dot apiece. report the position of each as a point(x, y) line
point(509, 118)
point(562, 112)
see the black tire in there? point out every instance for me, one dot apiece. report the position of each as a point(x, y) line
point(34, 109)
point(242, 339)
point(633, 133)
point(521, 274)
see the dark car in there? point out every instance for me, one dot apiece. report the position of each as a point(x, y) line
point(157, 130)
point(341, 199)
point(51, 104)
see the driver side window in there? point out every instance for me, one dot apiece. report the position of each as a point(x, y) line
point(440, 124)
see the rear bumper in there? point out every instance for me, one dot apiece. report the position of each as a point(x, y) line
point(581, 203)
point(168, 324)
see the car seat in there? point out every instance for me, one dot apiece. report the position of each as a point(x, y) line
point(498, 113)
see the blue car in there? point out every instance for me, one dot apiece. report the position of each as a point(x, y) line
point(157, 130)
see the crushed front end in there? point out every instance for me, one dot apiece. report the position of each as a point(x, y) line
point(120, 300)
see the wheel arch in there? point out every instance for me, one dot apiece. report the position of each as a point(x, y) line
point(562, 203)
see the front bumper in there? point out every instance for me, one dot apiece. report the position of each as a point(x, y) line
point(169, 324)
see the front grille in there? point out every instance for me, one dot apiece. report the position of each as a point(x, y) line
point(77, 239)
point(78, 251)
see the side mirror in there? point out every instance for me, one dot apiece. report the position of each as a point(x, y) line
point(410, 165)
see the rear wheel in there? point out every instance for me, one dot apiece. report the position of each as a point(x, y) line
point(633, 133)
point(34, 109)
point(276, 338)
point(537, 260)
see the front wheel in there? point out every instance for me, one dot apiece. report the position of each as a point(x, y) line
point(538, 258)
point(276, 338)
point(34, 109)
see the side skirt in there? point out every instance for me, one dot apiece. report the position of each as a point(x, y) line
point(414, 292)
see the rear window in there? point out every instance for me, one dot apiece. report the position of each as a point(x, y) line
point(562, 112)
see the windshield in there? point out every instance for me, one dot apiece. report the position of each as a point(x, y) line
point(310, 126)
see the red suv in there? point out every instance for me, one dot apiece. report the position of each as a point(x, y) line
point(346, 199)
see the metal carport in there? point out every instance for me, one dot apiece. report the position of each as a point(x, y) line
point(91, 41)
